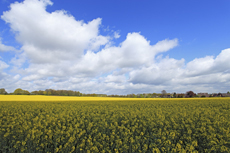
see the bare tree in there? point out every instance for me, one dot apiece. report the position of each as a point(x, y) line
point(164, 93)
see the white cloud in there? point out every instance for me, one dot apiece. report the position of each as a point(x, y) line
point(51, 37)
point(134, 51)
point(61, 52)
point(200, 65)
point(158, 73)
point(222, 61)
point(207, 74)
point(209, 64)
point(18, 60)
point(116, 35)
point(114, 79)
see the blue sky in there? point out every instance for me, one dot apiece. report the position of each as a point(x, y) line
point(115, 47)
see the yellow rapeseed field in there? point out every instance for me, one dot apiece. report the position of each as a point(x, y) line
point(70, 98)
point(112, 125)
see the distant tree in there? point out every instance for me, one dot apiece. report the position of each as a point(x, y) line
point(19, 91)
point(190, 94)
point(154, 94)
point(3, 91)
point(219, 95)
point(25, 92)
point(180, 95)
point(228, 92)
point(164, 93)
point(174, 95)
point(34, 92)
point(40, 92)
point(55, 92)
point(49, 93)
point(140, 96)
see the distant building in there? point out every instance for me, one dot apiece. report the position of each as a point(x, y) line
point(220, 95)
point(225, 94)
point(203, 94)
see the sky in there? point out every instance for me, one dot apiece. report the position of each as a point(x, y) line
point(115, 47)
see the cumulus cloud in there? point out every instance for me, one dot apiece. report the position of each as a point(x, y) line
point(60, 52)
point(209, 64)
point(208, 74)
point(51, 37)
point(162, 72)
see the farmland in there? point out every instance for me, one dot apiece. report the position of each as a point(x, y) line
point(54, 124)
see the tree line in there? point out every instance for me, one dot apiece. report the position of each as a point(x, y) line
point(53, 92)
point(163, 94)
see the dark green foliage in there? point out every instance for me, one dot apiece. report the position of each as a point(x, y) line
point(174, 95)
point(3, 91)
point(19, 91)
